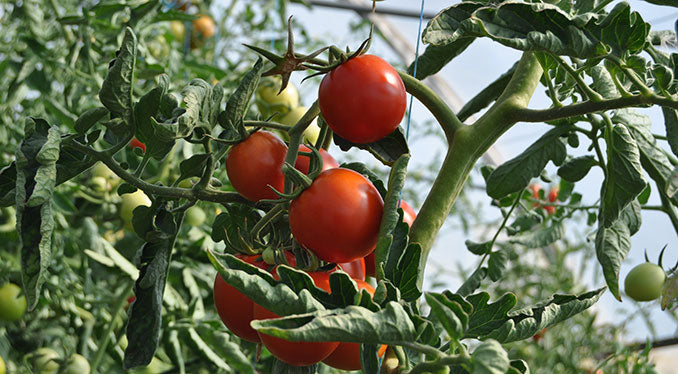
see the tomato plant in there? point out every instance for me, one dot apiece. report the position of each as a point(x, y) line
point(44, 361)
point(297, 353)
point(363, 99)
point(343, 201)
point(645, 282)
point(12, 302)
point(81, 81)
point(254, 164)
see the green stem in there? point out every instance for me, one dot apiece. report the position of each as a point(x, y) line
point(668, 209)
point(142, 164)
point(583, 87)
point(296, 133)
point(433, 366)
point(467, 146)
point(501, 227)
point(119, 303)
point(587, 107)
point(167, 192)
point(267, 124)
point(445, 116)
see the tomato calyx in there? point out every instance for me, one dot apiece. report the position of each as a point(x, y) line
point(284, 65)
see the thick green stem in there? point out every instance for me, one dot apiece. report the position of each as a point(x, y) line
point(296, 133)
point(445, 116)
point(467, 146)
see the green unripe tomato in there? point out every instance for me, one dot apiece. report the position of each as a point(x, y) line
point(268, 256)
point(178, 30)
point(129, 202)
point(269, 101)
point(3, 368)
point(101, 170)
point(185, 183)
point(12, 302)
point(76, 364)
point(99, 184)
point(645, 282)
point(195, 216)
point(44, 361)
point(158, 48)
point(293, 116)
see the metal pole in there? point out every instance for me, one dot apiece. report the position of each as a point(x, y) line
point(368, 9)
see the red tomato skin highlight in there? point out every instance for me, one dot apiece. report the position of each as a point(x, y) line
point(255, 163)
point(363, 100)
point(347, 355)
point(297, 353)
point(135, 143)
point(355, 269)
point(409, 215)
point(338, 216)
point(303, 162)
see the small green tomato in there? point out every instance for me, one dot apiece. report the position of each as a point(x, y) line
point(12, 302)
point(645, 282)
point(76, 364)
point(195, 216)
point(44, 361)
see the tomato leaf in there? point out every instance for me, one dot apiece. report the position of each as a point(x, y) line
point(193, 166)
point(449, 313)
point(436, 57)
point(473, 282)
point(35, 181)
point(541, 237)
point(206, 351)
point(576, 169)
point(494, 321)
point(496, 265)
point(147, 112)
point(351, 324)
point(489, 358)
point(652, 157)
point(613, 242)
point(238, 102)
point(89, 119)
point(550, 28)
point(515, 174)
point(386, 150)
point(234, 225)
point(116, 91)
point(671, 122)
point(145, 315)
point(226, 349)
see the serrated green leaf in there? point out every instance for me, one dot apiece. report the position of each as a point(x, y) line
point(116, 91)
point(473, 282)
point(489, 358)
point(206, 351)
point(449, 313)
point(671, 123)
point(478, 248)
point(193, 166)
point(515, 174)
point(354, 324)
point(613, 243)
point(496, 265)
point(494, 321)
point(625, 177)
point(549, 28)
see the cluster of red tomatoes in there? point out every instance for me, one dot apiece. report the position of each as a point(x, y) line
point(552, 196)
point(337, 217)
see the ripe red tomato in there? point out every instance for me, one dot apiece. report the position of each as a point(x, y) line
point(135, 143)
point(338, 216)
point(255, 163)
point(363, 99)
point(409, 215)
point(347, 355)
point(234, 308)
point(355, 269)
point(552, 196)
point(297, 353)
point(303, 162)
